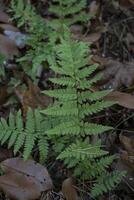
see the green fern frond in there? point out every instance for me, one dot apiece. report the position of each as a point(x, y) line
point(15, 134)
point(85, 72)
point(28, 144)
point(104, 163)
point(65, 81)
point(87, 109)
point(73, 102)
point(19, 142)
point(87, 84)
point(63, 109)
point(72, 128)
point(82, 150)
point(43, 148)
point(65, 94)
point(64, 9)
point(92, 96)
point(107, 183)
point(92, 128)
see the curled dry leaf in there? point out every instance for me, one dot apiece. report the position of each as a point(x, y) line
point(8, 27)
point(117, 74)
point(17, 37)
point(90, 38)
point(126, 4)
point(122, 99)
point(8, 47)
point(5, 153)
point(4, 17)
point(68, 189)
point(3, 94)
point(24, 180)
point(94, 8)
point(127, 140)
point(32, 97)
point(127, 155)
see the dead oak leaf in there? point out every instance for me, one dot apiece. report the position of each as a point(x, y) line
point(4, 17)
point(8, 47)
point(31, 97)
point(122, 99)
point(24, 180)
point(117, 74)
point(68, 189)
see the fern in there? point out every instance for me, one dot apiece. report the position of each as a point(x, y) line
point(39, 50)
point(108, 182)
point(17, 136)
point(42, 34)
point(74, 100)
point(2, 69)
point(68, 12)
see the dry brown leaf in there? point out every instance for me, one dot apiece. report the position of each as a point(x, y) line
point(4, 17)
point(8, 27)
point(117, 74)
point(32, 97)
point(15, 189)
point(131, 1)
point(122, 99)
point(3, 94)
point(127, 155)
point(91, 38)
point(8, 47)
point(126, 4)
point(127, 140)
point(5, 154)
point(68, 189)
point(24, 180)
point(94, 8)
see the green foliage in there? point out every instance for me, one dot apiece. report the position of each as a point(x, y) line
point(74, 101)
point(68, 12)
point(2, 69)
point(39, 48)
point(19, 136)
point(106, 183)
point(43, 35)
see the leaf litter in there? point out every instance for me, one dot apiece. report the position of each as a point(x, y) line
point(24, 180)
point(111, 33)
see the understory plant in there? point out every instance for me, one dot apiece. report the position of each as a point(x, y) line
point(19, 136)
point(42, 33)
point(68, 12)
point(75, 138)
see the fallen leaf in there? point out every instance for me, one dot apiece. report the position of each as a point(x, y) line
point(117, 74)
point(5, 153)
point(121, 165)
point(3, 94)
point(4, 17)
point(131, 1)
point(127, 140)
point(127, 154)
point(122, 99)
point(24, 180)
point(32, 97)
point(8, 47)
point(126, 4)
point(94, 8)
point(17, 37)
point(8, 27)
point(68, 189)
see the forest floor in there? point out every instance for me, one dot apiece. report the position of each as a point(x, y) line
point(111, 34)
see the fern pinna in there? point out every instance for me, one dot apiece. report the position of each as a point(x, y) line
point(68, 12)
point(74, 101)
point(17, 135)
